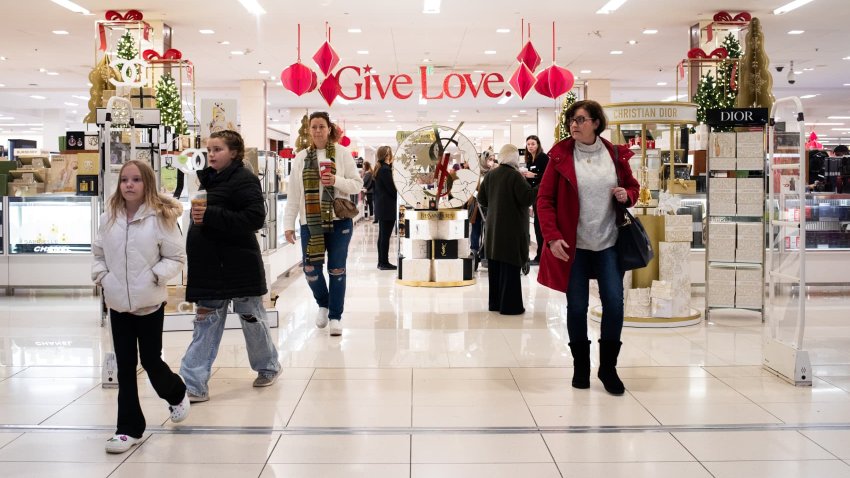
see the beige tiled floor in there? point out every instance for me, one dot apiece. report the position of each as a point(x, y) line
point(427, 383)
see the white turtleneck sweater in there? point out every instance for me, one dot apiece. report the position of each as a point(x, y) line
point(596, 177)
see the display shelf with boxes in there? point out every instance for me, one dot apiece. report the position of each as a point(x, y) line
point(734, 226)
point(434, 249)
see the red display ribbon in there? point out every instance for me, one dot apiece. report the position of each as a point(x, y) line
point(171, 54)
point(131, 15)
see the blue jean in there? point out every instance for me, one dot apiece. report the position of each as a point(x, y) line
point(206, 338)
point(336, 245)
point(610, 278)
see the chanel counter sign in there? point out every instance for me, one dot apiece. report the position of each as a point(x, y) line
point(737, 117)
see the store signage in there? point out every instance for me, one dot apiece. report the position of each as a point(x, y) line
point(50, 248)
point(367, 85)
point(661, 113)
point(737, 117)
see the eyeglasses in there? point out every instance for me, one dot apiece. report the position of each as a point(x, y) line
point(579, 120)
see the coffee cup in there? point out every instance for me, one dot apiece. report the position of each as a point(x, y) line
point(199, 199)
point(325, 165)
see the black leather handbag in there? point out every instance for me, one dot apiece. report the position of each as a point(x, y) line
point(633, 246)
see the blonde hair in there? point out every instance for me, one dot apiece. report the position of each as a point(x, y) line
point(167, 208)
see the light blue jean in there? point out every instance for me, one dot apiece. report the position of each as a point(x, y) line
point(336, 244)
point(196, 366)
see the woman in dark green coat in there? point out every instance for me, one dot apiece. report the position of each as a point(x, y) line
point(507, 196)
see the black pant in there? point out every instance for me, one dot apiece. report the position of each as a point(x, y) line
point(385, 230)
point(128, 330)
point(370, 204)
point(538, 236)
point(505, 288)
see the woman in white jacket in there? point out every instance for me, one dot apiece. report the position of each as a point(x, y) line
point(137, 251)
point(320, 174)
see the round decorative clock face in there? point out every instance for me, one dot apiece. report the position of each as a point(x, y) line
point(426, 155)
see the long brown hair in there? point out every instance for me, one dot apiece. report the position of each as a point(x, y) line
point(529, 159)
point(167, 208)
point(333, 133)
point(367, 167)
point(383, 154)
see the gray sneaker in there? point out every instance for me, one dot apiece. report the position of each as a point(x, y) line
point(262, 381)
point(197, 398)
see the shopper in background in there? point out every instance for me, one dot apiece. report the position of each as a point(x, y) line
point(535, 164)
point(386, 205)
point(507, 197)
point(369, 189)
point(581, 201)
point(225, 266)
point(320, 174)
point(138, 249)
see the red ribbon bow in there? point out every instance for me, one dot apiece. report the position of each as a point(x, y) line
point(131, 15)
point(170, 55)
point(727, 17)
point(699, 53)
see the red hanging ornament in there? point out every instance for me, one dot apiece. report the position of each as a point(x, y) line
point(345, 141)
point(522, 80)
point(326, 56)
point(297, 77)
point(555, 80)
point(330, 89)
point(529, 56)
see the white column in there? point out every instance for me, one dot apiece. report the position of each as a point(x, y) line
point(501, 136)
point(253, 117)
point(517, 135)
point(599, 91)
point(54, 127)
point(546, 120)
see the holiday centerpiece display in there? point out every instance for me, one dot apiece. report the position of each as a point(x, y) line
point(756, 85)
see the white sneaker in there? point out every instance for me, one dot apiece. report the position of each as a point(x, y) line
point(120, 443)
point(322, 317)
point(180, 411)
point(336, 328)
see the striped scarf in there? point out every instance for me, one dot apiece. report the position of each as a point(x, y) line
point(317, 206)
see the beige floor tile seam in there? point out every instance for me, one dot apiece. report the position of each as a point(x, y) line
point(230, 430)
point(63, 407)
point(300, 397)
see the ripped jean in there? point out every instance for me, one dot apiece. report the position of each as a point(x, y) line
point(336, 244)
point(206, 338)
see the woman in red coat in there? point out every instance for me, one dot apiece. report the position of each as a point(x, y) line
point(576, 202)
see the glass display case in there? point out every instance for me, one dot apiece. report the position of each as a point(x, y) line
point(827, 220)
point(50, 224)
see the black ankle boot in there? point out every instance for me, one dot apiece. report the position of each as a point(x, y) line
point(581, 363)
point(608, 352)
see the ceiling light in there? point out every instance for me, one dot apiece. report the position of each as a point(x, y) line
point(841, 129)
point(68, 103)
point(489, 52)
point(846, 58)
point(42, 70)
point(237, 52)
point(422, 101)
point(824, 124)
point(355, 30)
point(206, 32)
point(514, 116)
point(846, 84)
point(616, 52)
point(388, 111)
point(661, 83)
point(838, 117)
point(426, 60)
point(2, 85)
point(808, 69)
point(60, 32)
point(503, 30)
point(253, 6)
point(3, 58)
point(610, 6)
point(584, 72)
point(790, 6)
point(522, 111)
point(632, 42)
point(505, 99)
point(263, 72)
point(800, 72)
point(478, 71)
point(362, 52)
point(52, 73)
point(796, 32)
point(455, 111)
point(71, 6)
point(84, 98)
point(273, 78)
point(805, 97)
point(38, 97)
point(224, 42)
point(431, 6)
point(650, 31)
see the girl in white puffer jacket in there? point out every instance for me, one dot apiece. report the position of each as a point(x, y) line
point(139, 248)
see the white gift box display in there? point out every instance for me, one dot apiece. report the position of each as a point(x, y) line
point(749, 288)
point(418, 229)
point(448, 270)
point(723, 145)
point(678, 228)
point(463, 249)
point(721, 196)
point(749, 210)
point(722, 241)
point(750, 191)
point(722, 164)
point(756, 164)
point(638, 303)
point(453, 229)
point(415, 248)
point(418, 270)
point(721, 287)
point(653, 178)
point(750, 144)
point(750, 242)
point(673, 265)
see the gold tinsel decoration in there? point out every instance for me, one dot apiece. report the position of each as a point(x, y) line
point(99, 79)
point(755, 86)
point(303, 140)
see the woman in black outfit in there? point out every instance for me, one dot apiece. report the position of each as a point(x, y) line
point(535, 161)
point(368, 188)
point(386, 208)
